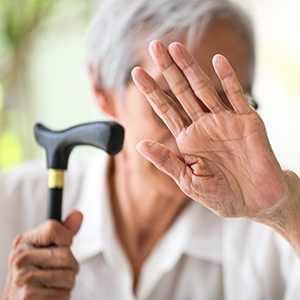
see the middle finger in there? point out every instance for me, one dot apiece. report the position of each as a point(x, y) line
point(48, 258)
point(198, 80)
point(176, 79)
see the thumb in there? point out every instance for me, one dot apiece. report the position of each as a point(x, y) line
point(73, 221)
point(162, 157)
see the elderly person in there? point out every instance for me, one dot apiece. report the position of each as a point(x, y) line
point(143, 237)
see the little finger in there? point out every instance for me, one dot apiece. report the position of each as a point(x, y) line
point(231, 85)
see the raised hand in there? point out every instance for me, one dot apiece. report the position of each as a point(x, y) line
point(229, 165)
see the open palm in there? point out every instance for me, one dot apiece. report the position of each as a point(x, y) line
point(229, 166)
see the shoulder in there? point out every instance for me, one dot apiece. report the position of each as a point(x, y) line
point(31, 178)
point(29, 172)
point(24, 191)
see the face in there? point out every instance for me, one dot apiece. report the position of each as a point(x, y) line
point(139, 119)
point(225, 38)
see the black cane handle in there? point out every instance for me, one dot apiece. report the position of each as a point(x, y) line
point(108, 136)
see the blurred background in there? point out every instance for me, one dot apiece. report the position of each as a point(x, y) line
point(43, 76)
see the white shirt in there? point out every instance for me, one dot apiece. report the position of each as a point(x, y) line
point(201, 256)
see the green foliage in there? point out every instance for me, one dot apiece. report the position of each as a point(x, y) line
point(19, 24)
point(1, 97)
point(10, 149)
point(18, 18)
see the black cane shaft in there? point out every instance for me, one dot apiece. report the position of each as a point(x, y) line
point(55, 204)
point(55, 185)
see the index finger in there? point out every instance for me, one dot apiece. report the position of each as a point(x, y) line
point(46, 234)
point(163, 105)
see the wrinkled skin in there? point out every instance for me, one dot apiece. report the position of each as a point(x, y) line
point(229, 166)
point(39, 271)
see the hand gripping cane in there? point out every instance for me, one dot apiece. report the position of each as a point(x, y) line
point(108, 136)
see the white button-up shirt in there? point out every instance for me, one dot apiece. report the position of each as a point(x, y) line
point(201, 256)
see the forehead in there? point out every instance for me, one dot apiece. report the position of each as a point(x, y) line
point(221, 37)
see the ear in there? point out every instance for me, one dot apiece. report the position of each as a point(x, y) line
point(106, 99)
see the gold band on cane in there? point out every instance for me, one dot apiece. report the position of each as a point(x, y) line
point(252, 106)
point(55, 179)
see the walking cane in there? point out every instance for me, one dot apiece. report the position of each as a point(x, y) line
point(108, 136)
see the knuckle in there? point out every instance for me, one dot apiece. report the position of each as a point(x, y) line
point(56, 233)
point(30, 293)
point(202, 84)
point(229, 77)
point(51, 277)
point(52, 227)
point(150, 90)
point(234, 91)
point(180, 87)
point(74, 265)
point(50, 251)
point(64, 294)
point(163, 108)
point(67, 259)
point(17, 257)
point(166, 65)
point(166, 156)
point(67, 256)
point(18, 239)
point(231, 86)
point(19, 276)
point(27, 275)
point(189, 65)
point(22, 277)
point(21, 258)
point(70, 279)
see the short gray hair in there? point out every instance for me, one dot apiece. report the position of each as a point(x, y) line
point(122, 28)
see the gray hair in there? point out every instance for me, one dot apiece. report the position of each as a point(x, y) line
point(122, 28)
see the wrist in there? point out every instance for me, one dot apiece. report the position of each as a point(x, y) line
point(284, 218)
point(292, 215)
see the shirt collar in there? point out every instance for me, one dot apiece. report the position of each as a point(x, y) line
point(189, 235)
point(196, 231)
